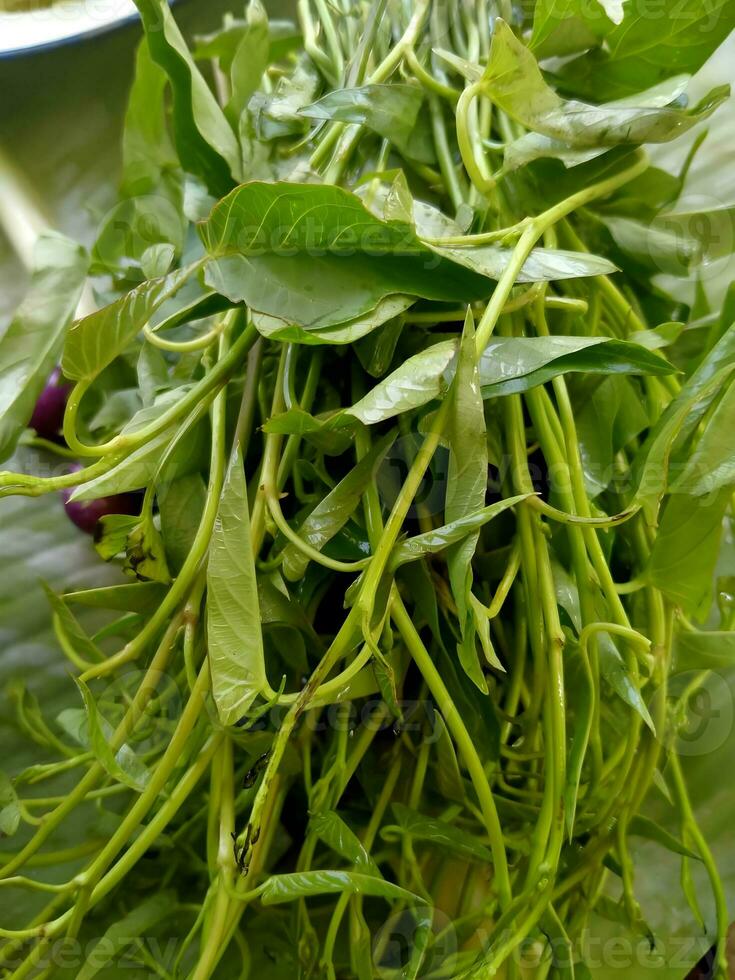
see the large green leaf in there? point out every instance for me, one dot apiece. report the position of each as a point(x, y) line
point(686, 547)
point(699, 650)
point(272, 243)
point(508, 365)
point(680, 419)
point(513, 80)
point(712, 464)
point(96, 340)
point(392, 111)
point(651, 43)
point(206, 144)
point(234, 636)
point(564, 27)
point(31, 344)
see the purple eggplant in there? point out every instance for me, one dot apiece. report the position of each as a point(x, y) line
point(86, 513)
point(48, 415)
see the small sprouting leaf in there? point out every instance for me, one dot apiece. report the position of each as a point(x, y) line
point(234, 637)
point(617, 675)
point(71, 630)
point(641, 826)
point(334, 832)
point(124, 765)
point(145, 554)
point(31, 344)
point(334, 510)
point(139, 541)
point(9, 807)
point(129, 929)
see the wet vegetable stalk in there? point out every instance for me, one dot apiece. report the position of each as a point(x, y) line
point(433, 499)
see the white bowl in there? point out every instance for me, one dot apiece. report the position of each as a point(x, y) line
point(66, 20)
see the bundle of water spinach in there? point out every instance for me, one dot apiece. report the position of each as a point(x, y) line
point(415, 470)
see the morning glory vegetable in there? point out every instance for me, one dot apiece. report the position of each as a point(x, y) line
point(404, 424)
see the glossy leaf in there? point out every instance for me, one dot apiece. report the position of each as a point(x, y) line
point(711, 466)
point(514, 364)
point(508, 365)
point(685, 551)
point(699, 650)
point(257, 232)
point(290, 887)
point(514, 82)
point(96, 340)
point(334, 510)
point(31, 344)
point(466, 488)
point(643, 49)
point(437, 832)
point(331, 829)
point(435, 541)
point(206, 144)
point(394, 112)
point(234, 638)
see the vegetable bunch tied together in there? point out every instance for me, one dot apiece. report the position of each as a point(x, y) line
point(432, 465)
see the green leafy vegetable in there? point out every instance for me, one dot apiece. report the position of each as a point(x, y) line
point(417, 373)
